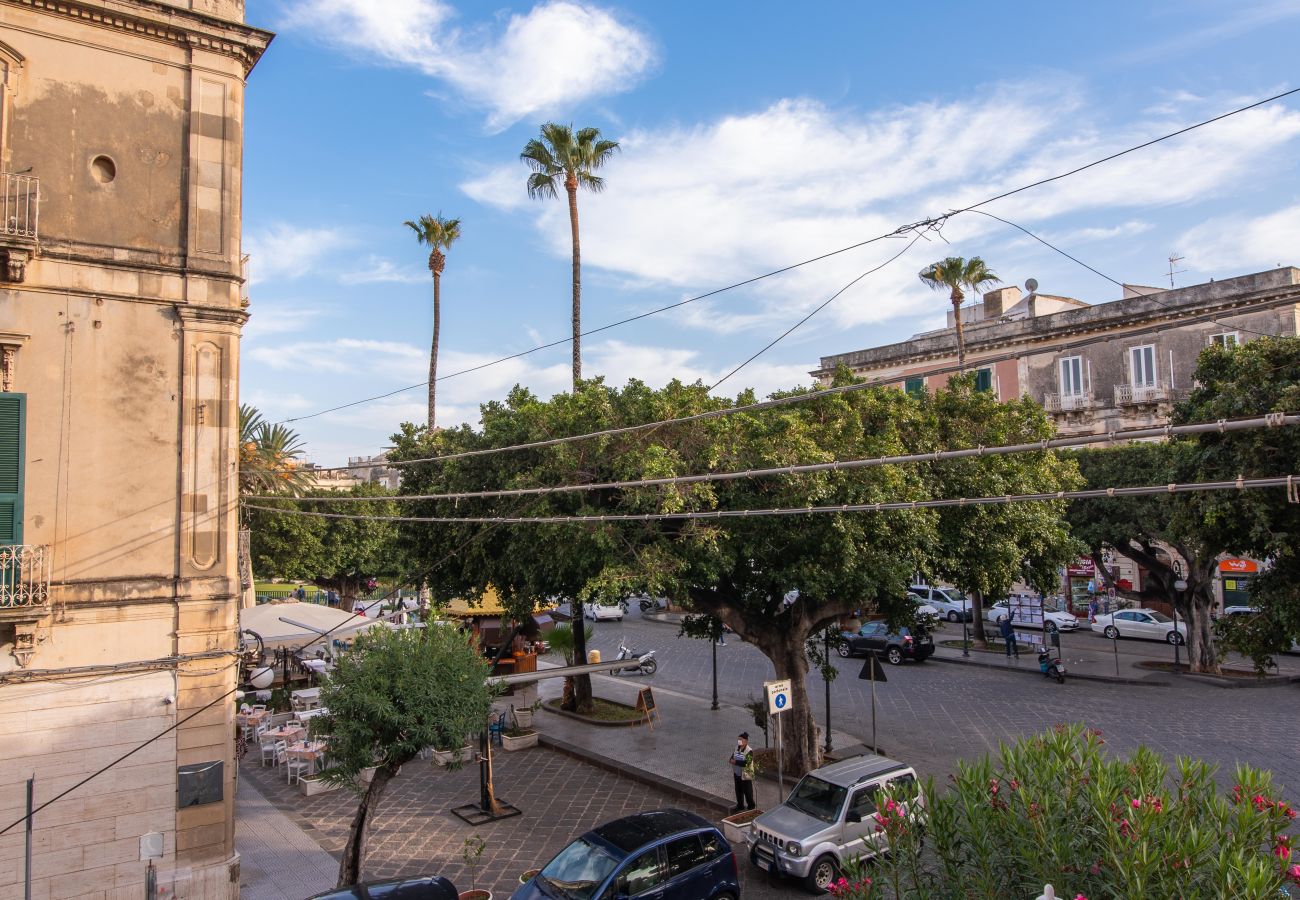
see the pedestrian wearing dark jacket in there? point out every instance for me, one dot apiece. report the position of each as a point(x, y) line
point(1008, 632)
point(743, 769)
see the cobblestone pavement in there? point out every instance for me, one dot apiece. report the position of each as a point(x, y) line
point(415, 832)
point(935, 713)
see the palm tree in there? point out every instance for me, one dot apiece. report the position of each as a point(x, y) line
point(955, 273)
point(269, 456)
point(438, 234)
point(561, 154)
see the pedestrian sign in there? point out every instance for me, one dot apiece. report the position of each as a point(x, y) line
point(778, 695)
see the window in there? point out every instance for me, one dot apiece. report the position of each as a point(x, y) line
point(1142, 366)
point(713, 845)
point(642, 874)
point(1227, 340)
point(863, 803)
point(1072, 376)
point(914, 387)
point(685, 854)
point(13, 420)
point(984, 379)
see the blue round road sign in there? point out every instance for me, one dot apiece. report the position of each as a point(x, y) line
point(780, 701)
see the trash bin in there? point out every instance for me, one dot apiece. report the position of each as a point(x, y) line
point(593, 656)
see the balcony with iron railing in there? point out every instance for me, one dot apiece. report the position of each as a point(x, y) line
point(24, 580)
point(1142, 394)
point(20, 207)
point(1066, 403)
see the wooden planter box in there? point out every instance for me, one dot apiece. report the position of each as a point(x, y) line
point(447, 757)
point(521, 742)
point(737, 826)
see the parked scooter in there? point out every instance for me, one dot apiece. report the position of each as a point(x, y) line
point(648, 664)
point(1050, 665)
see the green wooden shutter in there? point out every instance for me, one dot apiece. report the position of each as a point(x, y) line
point(914, 386)
point(983, 379)
point(13, 421)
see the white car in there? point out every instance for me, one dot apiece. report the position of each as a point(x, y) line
point(924, 611)
point(600, 612)
point(948, 603)
point(1054, 619)
point(1141, 623)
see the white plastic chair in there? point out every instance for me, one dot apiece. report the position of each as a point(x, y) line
point(281, 752)
point(268, 748)
point(294, 768)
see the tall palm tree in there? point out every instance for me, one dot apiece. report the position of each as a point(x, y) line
point(269, 456)
point(953, 274)
point(438, 234)
point(561, 155)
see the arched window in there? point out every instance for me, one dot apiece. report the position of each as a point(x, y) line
point(11, 66)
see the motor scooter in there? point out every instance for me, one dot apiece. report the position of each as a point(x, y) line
point(1050, 665)
point(648, 664)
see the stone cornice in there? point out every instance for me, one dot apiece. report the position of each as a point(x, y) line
point(161, 22)
point(223, 315)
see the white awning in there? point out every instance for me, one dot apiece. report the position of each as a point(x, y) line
point(307, 621)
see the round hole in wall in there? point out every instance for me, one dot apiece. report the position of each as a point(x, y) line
point(103, 169)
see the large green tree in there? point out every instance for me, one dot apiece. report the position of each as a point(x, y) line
point(438, 234)
point(1259, 377)
point(956, 276)
point(336, 554)
point(560, 156)
point(775, 580)
point(393, 694)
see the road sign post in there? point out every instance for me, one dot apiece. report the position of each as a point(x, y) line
point(778, 701)
point(872, 671)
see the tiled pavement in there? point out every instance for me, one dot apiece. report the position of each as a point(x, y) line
point(277, 858)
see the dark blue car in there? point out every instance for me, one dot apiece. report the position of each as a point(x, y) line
point(668, 854)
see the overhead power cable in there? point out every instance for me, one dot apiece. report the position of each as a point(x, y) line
point(1153, 296)
point(1274, 420)
point(1271, 299)
point(904, 229)
point(1285, 481)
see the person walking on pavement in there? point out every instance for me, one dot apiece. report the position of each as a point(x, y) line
point(1008, 632)
point(742, 766)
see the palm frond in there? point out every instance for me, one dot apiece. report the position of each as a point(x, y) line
point(542, 185)
point(593, 183)
point(539, 158)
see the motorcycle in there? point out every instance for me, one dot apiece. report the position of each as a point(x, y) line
point(649, 604)
point(648, 664)
point(1050, 665)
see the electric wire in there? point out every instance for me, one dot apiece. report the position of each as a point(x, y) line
point(1272, 420)
point(1288, 298)
point(1284, 481)
point(904, 229)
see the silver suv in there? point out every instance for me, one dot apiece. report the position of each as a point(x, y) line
point(827, 819)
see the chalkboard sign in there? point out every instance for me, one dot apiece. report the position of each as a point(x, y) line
point(645, 702)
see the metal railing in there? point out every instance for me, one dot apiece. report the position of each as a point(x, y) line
point(20, 207)
point(1135, 394)
point(24, 575)
point(1067, 402)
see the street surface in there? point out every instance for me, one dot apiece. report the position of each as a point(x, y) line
point(934, 713)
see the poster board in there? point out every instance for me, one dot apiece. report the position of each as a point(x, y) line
point(645, 703)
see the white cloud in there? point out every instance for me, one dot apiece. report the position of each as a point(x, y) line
point(270, 317)
point(282, 252)
point(1232, 243)
point(377, 270)
point(557, 54)
point(347, 356)
point(695, 207)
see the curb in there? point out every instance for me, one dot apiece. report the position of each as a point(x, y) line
point(662, 618)
point(1270, 681)
point(1110, 679)
point(650, 779)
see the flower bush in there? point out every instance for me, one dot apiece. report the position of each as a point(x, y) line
point(1057, 809)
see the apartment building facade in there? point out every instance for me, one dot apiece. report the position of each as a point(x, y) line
point(121, 137)
point(1095, 368)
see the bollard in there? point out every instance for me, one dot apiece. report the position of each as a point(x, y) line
point(593, 656)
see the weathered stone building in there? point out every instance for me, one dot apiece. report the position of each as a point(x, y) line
point(1097, 368)
point(121, 135)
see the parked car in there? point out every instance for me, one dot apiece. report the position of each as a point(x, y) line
point(431, 887)
point(1141, 623)
point(948, 603)
point(828, 819)
point(895, 646)
point(1054, 618)
point(668, 854)
point(600, 612)
point(925, 613)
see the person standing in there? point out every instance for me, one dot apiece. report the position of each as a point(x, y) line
point(742, 766)
point(1008, 632)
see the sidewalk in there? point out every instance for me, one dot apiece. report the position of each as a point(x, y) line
point(278, 860)
point(686, 751)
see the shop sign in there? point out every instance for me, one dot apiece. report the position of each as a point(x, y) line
point(1239, 566)
point(1082, 568)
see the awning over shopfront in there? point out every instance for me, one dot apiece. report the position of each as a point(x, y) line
point(306, 621)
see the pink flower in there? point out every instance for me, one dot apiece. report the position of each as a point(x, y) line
point(1294, 872)
point(1137, 804)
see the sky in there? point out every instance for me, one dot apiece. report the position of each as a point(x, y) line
point(751, 136)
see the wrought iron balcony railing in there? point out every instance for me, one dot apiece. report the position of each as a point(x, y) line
point(24, 576)
point(20, 207)
point(1058, 403)
point(1138, 394)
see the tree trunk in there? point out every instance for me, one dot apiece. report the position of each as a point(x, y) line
point(799, 731)
point(961, 335)
point(572, 186)
point(354, 851)
point(978, 637)
point(433, 352)
point(577, 694)
point(1198, 602)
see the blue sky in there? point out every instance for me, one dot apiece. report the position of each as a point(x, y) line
point(753, 135)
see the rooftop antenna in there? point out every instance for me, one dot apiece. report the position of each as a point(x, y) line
point(1174, 259)
point(1032, 286)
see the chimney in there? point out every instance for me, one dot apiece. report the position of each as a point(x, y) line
point(996, 303)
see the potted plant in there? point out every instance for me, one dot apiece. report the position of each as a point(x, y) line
point(736, 826)
point(451, 750)
point(529, 875)
point(523, 715)
point(519, 739)
point(472, 853)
